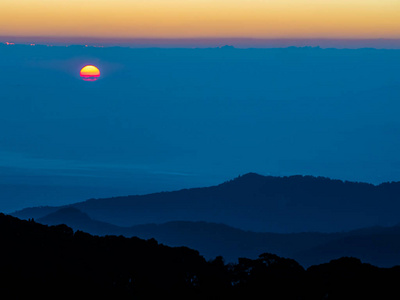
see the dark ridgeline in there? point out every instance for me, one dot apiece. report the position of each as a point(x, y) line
point(254, 202)
point(54, 261)
point(213, 220)
point(379, 246)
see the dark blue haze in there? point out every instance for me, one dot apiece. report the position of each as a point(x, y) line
point(165, 119)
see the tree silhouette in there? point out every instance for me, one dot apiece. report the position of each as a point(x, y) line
point(54, 261)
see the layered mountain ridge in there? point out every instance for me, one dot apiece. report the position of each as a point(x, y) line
point(376, 245)
point(254, 202)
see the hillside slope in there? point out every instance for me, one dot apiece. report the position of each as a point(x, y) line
point(254, 202)
point(45, 261)
point(379, 246)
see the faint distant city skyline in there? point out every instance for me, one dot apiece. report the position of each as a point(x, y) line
point(239, 42)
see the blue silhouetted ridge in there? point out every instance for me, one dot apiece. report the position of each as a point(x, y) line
point(255, 202)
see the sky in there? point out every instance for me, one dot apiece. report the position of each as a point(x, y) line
point(165, 119)
point(202, 18)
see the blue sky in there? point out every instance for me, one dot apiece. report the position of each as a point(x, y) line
point(164, 119)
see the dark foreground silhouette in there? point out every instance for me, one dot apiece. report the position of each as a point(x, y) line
point(54, 261)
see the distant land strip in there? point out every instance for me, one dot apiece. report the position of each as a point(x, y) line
point(206, 42)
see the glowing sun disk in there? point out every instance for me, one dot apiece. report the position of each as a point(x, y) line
point(90, 73)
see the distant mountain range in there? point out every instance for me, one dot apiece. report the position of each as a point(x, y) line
point(376, 245)
point(254, 202)
point(217, 220)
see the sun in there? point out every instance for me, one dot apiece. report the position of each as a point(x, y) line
point(90, 73)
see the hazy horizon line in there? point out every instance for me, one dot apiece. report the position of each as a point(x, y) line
point(206, 42)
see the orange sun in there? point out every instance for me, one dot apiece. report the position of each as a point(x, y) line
point(90, 73)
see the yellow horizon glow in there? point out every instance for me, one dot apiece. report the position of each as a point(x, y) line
point(202, 18)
